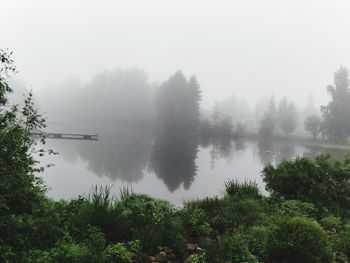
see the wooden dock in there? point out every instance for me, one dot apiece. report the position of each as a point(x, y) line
point(67, 136)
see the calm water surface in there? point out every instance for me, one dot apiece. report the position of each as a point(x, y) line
point(162, 170)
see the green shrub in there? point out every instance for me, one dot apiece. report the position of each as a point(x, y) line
point(21, 233)
point(230, 248)
point(339, 257)
point(216, 212)
point(135, 247)
point(6, 252)
point(118, 253)
point(341, 240)
point(227, 214)
point(331, 224)
point(246, 213)
point(151, 221)
point(257, 240)
point(294, 208)
point(246, 189)
point(68, 251)
point(299, 240)
point(323, 182)
point(198, 257)
point(194, 222)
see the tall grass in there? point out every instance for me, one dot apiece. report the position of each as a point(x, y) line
point(101, 196)
point(125, 192)
point(246, 189)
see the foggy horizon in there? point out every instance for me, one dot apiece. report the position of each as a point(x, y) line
point(250, 49)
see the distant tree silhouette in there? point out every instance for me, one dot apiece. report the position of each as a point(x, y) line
point(120, 97)
point(287, 117)
point(220, 125)
point(267, 125)
point(313, 125)
point(336, 115)
point(216, 114)
point(268, 121)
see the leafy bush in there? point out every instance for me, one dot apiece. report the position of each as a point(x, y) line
point(216, 212)
point(118, 253)
point(339, 257)
point(294, 208)
point(135, 247)
point(341, 240)
point(331, 224)
point(198, 258)
point(69, 251)
point(323, 182)
point(39, 230)
point(299, 240)
point(257, 240)
point(194, 222)
point(151, 221)
point(230, 248)
point(228, 214)
point(246, 213)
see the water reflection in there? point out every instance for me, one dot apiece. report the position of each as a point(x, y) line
point(266, 151)
point(219, 148)
point(273, 152)
point(123, 155)
point(286, 151)
point(128, 155)
point(173, 161)
point(120, 154)
point(312, 150)
point(240, 144)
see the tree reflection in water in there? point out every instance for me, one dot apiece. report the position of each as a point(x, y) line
point(174, 161)
point(123, 154)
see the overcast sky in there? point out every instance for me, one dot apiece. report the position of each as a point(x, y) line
point(250, 48)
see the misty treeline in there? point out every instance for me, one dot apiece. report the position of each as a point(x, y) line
point(332, 121)
point(123, 100)
point(283, 118)
point(146, 126)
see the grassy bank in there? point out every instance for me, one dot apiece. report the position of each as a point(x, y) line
point(299, 137)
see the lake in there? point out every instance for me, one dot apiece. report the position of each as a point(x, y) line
point(177, 173)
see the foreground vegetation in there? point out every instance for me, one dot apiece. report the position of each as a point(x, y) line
point(305, 219)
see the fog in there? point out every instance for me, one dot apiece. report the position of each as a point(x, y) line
point(182, 95)
point(251, 49)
